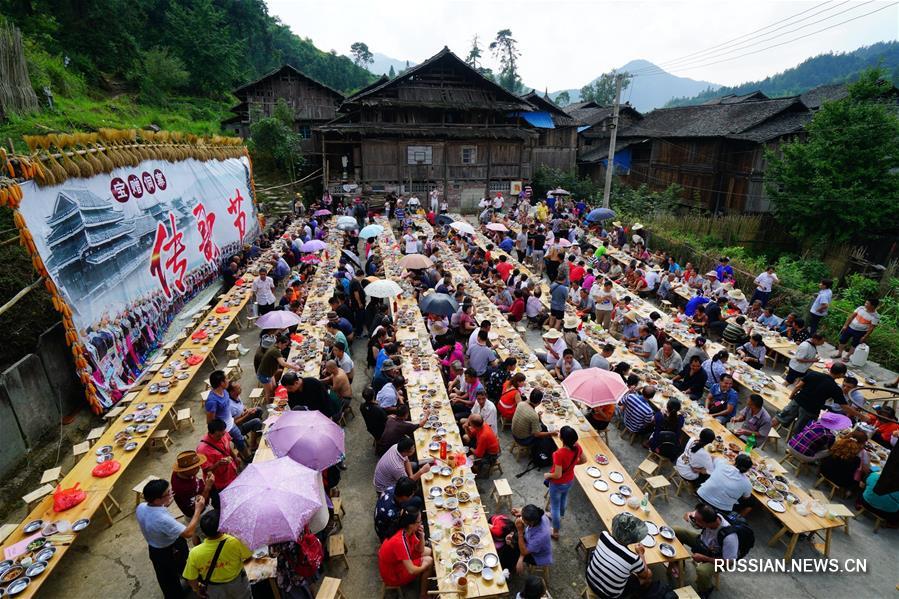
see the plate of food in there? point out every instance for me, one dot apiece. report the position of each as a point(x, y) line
point(457, 538)
point(601, 459)
point(601, 485)
point(475, 565)
point(491, 560)
point(435, 491)
point(594, 472)
point(616, 477)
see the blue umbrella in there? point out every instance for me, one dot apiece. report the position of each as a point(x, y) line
point(441, 304)
point(444, 219)
point(371, 231)
point(600, 214)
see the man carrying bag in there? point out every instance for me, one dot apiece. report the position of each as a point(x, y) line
point(215, 567)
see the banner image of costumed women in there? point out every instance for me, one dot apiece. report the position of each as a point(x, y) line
point(127, 249)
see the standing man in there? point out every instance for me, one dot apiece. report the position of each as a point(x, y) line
point(821, 304)
point(357, 302)
point(764, 284)
point(166, 536)
point(264, 290)
point(434, 197)
point(858, 327)
point(218, 563)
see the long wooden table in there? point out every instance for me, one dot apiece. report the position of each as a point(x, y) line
point(425, 388)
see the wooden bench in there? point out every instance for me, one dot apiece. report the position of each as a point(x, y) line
point(329, 589)
point(586, 544)
point(502, 493)
point(139, 489)
point(657, 486)
point(160, 440)
point(337, 549)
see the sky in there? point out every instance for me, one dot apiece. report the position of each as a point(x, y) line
point(565, 44)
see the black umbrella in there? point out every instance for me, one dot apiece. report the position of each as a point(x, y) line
point(352, 257)
point(441, 304)
point(444, 219)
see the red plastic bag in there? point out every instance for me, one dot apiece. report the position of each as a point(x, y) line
point(199, 335)
point(310, 555)
point(297, 337)
point(239, 282)
point(106, 469)
point(64, 499)
point(222, 309)
point(194, 359)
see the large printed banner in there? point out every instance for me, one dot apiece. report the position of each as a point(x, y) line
point(127, 248)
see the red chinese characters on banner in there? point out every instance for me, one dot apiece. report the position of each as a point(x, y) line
point(240, 220)
point(168, 244)
point(205, 222)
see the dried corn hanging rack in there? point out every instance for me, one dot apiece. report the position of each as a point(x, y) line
point(57, 157)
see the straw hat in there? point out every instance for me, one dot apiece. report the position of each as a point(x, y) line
point(636, 226)
point(631, 315)
point(616, 223)
point(438, 329)
point(570, 322)
point(188, 460)
point(552, 334)
point(712, 273)
point(736, 294)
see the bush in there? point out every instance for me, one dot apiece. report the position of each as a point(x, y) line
point(47, 70)
point(884, 341)
point(637, 204)
point(546, 179)
point(157, 74)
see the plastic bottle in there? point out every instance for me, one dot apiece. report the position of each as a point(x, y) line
point(750, 444)
point(644, 503)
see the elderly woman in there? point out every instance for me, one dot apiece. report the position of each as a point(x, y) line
point(614, 569)
point(847, 465)
point(534, 537)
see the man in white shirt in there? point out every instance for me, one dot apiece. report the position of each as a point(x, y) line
point(821, 304)
point(806, 354)
point(485, 408)
point(652, 278)
point(498, 202)
point(264, 290)
point(435, 200)
point(764, 284)
point(554, 345)
point(410, 241)
point(647, 347)
point(413, 204)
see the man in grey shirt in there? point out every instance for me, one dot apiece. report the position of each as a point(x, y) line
point(479, 355)
point(601, 360)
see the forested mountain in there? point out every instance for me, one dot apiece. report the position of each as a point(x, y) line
point(218, 43)
point(818, 70)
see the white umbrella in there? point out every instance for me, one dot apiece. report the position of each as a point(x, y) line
point(497, 227)
point(558, 191)
point(383, 288)
point(346, 219)
point(462, 227)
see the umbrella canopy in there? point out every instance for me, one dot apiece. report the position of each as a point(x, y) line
point(497, 227)
point(594, 386)
point(558, 191)
point(563, 242)
point(309, 438)
point(371, 231)
point(313, 245)
point(444, 219)
point(271, 502)
point(322, 213)
point(310, 259)
point(352, 257)
point(346, 219)
point(383, 288)
point(600, 214)
point(347, 226)
point(277, 319)
point(441, 304)
point(415, 261)
point(462, 227)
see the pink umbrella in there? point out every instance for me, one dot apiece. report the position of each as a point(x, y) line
point(277, 319)
point(322, 213)
point(313, 245)
point(594, 386)
point(270, 502)
point(310, 259)
point(563, 242)
point(497, 227)
point(310, 438)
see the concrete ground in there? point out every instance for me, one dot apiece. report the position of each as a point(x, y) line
point(112, 562)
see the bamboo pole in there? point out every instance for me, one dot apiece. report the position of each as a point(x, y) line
point(20, 295)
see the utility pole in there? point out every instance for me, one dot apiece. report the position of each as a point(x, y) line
point(610, 166)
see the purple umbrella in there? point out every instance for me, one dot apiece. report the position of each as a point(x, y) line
point(277, 319)
point(313, 245)
point(322, 213)
point(270, 502)
point(310, 438)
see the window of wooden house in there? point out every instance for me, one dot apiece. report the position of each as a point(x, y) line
point(418, 155)
point(469, 154)
point(305, 132)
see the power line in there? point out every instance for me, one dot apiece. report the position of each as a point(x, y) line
point(778, 44)
point(756, 42)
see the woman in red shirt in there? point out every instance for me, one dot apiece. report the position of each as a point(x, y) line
point(510, 396)
point(403, 557)
point(561, 477)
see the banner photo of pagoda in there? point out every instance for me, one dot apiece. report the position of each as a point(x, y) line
point(128, 248)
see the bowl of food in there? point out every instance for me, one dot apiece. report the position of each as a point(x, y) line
point(473, 540)
point(457, 538)
point(491, 560)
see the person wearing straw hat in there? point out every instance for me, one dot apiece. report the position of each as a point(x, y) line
point(614, 570)
point(738, 300)
point(636, 238)
point(555, 346)
point(187, 486)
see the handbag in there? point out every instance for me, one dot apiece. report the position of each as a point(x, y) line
point(204, 583)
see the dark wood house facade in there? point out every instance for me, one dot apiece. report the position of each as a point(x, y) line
point(557, 134)
point(438, 125)
point(312, 102)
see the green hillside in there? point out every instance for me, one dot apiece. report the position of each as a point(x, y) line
point(818, 70)
point(132, 63)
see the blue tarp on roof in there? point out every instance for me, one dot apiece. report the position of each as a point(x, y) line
point(583, 128)
point(541, 120)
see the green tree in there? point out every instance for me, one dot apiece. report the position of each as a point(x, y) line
point(602, 90)
point(361, 54)
point(505, 48)
point(199, 32)
point(563, 99)
point(844, 178)
point(474, 54)
point(391, 73)
point(274, 142)
point(158, 74)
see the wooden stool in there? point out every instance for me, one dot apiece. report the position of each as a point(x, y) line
point(6, 530)
point(686, 593)
point(793, 460)
point(81, 448)
point(588, 594)
point(646, 469)
point(661, 460)
point(337, 504)
point(31, 498)
point(51, 475)
point(878, 521)
point(505, 423)
point(587, 544)
point(329, 589)
point(234, 366)
point(235, 338)
point(841, 511)
point(773, 439)
point(337, 549)
point(256, 395)
point(518, 449)
point(110, 506)
point(95, 434)
point(604, 435)
point(502, 493)
point(833, 486)
point(385, 589)
point(183, 416)
point(681, 483)
point(250, 321)
point(114, 413)
point(233, 351)
point(160, 440)
point(541, 571)
point(657, 485)
point(139, 489)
